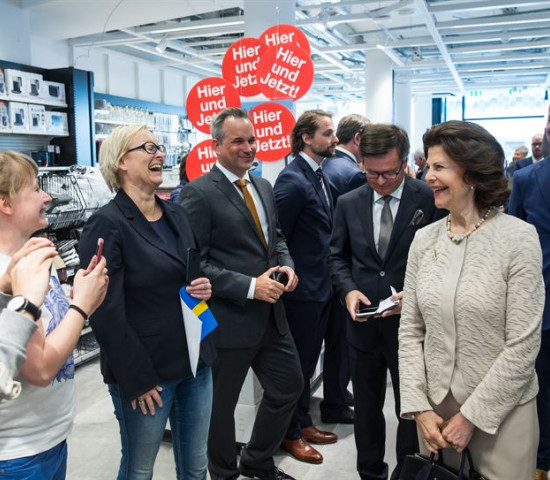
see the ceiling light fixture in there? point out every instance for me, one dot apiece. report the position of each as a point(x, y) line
point(161, 46)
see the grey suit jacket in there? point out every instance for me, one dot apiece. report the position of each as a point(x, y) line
point(232, 254)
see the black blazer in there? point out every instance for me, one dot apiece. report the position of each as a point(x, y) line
point(306, 222)
point(139, 326)
point(232, 253)
point(354, 260)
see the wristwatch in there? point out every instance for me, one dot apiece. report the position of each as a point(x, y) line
point(19, 303)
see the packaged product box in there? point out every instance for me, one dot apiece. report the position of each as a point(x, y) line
point(34, 85)
point(56, 122)
point(16, 83)
point(3, 92)
point(19, 116)
point(37, 118)
point(53, 91)
point(4, 117)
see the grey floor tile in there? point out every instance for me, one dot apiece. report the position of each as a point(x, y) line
point(94, 444)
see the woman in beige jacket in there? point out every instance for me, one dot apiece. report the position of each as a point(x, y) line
point(472, 308)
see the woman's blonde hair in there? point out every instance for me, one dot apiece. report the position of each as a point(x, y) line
point(16, 170)
point(113, 149)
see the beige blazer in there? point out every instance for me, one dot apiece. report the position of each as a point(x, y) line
point(471, 320)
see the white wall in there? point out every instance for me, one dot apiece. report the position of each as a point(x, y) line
point(421, 119)
point(14, 34)
point(47, 53)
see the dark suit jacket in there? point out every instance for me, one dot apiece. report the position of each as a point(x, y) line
point(139, 326)
point(233, 253)
point(530, 201)
point(518, 165)
point(343, 173)
point(354, 261)
point(306, 221)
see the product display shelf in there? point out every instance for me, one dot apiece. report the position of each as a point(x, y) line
point(34, 101)
point(12, 131)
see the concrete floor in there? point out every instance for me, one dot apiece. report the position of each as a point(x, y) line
point(94, 444)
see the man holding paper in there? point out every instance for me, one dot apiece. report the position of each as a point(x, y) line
point(374, 226)
point(244, 255)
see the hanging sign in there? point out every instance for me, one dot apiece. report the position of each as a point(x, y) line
point(240, 64)
point(284, 34)
point(286, 72)
point(207, 98)
point(200, 160)
point(272, 126)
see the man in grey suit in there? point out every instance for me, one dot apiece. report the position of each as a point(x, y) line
point(234, 218)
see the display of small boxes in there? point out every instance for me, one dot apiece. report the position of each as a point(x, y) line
point(53, 91)
point(16, 83)
point(37, 118)
point(19, 116)
point(56, 122)
point(34, 85)
point(4, 117)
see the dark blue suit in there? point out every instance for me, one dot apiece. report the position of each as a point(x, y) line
point(530, 201)
point(524, 162)
point(343, 173)
point(305, 217)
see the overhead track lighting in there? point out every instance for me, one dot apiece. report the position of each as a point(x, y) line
point(161, 46)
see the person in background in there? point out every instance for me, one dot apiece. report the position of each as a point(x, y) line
point(374, 226)
point(34, 445)
point(234, 217)
point(175, 195)
point(472, 308)
point(420, 162)
point(305, 207)
point(139, 327)
point(530, 201)
point(344, 172)
point(519, 154)
point(536, 155)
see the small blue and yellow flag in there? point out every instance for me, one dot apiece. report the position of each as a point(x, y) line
point(199, 322)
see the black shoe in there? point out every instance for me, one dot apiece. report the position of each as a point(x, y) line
point(344, 416)
point(350, 400)
point(272, 474)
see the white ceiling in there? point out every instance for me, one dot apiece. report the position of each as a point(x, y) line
point(439, 45)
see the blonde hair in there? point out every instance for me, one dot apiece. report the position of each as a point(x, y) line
point(16, 171)
point(113, 149)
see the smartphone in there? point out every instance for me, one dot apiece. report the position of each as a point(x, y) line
point(365, 311)
point(99, 250)
point(193, 261)
point(281, 277)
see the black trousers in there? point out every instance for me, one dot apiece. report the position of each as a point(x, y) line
point(336, 372)
point(369, 369)
point(307, 322)
point(275, 362)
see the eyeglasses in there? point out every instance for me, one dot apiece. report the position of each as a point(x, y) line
point(149, 147)
point(536, 144)
point(389, 175)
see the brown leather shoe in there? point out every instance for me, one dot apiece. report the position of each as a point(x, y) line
point(319, 437)
point(541, 475)
point(301, 450)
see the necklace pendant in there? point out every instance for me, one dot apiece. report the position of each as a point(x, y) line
point(457, 238)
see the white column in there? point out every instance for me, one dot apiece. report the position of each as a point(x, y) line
point(422, 119)
point(379, 87)
point(259, 16)
point(402, 101)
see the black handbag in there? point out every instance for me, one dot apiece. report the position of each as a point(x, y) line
point(419, 467)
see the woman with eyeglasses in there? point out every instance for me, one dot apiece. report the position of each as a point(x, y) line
point(144, 354)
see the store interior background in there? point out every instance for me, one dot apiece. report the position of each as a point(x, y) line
point(489, 56)
point(484, 60)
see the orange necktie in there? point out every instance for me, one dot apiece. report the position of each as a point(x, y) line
point(252, 207)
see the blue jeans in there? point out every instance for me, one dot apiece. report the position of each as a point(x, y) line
point(48, 465)
point(188, 404)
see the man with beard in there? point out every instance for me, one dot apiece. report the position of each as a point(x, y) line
point(305, 208)
point(536, 156)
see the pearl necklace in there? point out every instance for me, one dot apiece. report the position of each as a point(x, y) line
point(458, 238)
